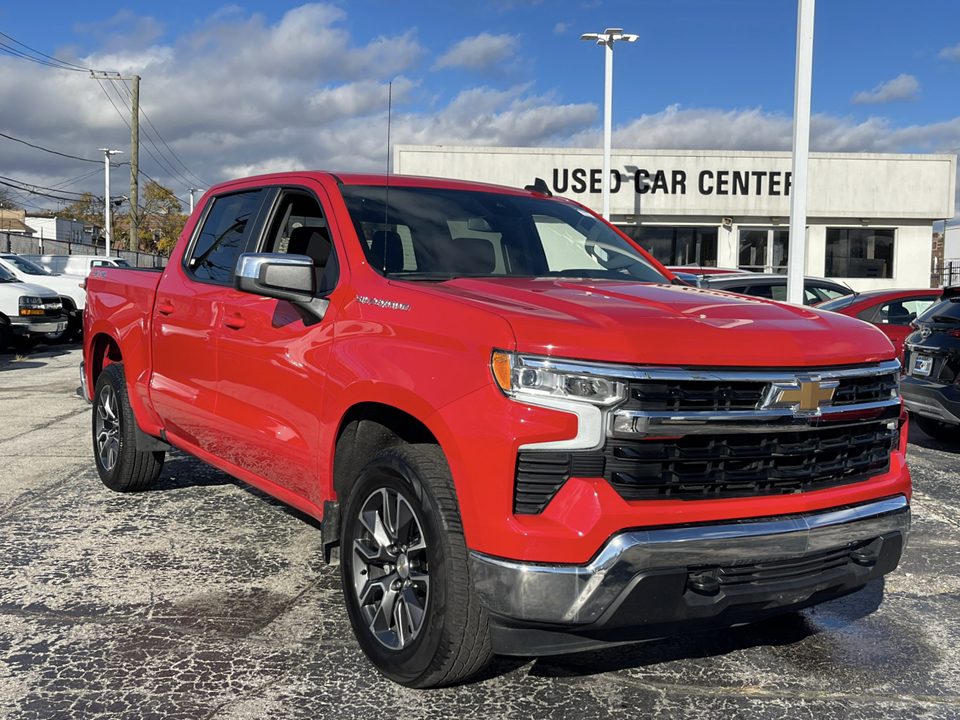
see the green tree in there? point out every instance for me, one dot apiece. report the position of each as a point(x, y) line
point(7, 199)
point(88, 208)
point(161, 219)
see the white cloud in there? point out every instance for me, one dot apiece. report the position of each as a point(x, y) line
point(950, 53)
point(237, 94)
point(903, 87)
point(482, 53)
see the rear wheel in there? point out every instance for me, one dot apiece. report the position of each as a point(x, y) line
point(121, 466)
point(937, 428)
point(405, 571)
point(6, 335)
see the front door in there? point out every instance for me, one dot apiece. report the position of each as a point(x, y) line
point(273, 358)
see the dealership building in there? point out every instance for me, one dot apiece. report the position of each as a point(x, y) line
point(869, 216)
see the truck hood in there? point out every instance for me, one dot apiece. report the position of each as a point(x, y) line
point(655, 324)
point(68, 285)
point(18, 289)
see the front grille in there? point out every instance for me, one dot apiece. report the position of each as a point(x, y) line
point(857, 390)
point(53, 312)
point(694, 395)
point(728, 466)
point(699, 467)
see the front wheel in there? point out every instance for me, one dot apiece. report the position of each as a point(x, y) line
point(121, 466)
point(937, 429)
point(405, 571)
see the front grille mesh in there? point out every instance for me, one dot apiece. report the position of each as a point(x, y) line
point(697, 467)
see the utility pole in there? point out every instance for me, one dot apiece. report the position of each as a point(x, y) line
point(134, 152)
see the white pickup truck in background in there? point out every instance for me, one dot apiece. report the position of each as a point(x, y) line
point(27, 311)
point(76, 264)
point(70, 288)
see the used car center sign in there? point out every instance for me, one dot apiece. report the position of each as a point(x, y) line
point(674, 182)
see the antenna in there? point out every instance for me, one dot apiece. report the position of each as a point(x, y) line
point(386, 192)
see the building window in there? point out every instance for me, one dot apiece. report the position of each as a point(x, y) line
point(859, 253)
point(764, 250)
point(676, 245)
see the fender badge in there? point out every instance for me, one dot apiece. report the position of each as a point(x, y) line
point(364, 300)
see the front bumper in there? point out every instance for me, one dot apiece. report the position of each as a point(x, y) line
point(37, 325)
point(931, 398)
point(653, 583)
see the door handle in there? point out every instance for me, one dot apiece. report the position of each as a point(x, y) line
point(165, 307)
point(234, 321)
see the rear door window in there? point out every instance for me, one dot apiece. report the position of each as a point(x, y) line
point(222, 236)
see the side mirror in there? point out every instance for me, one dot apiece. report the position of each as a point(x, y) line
point(282, 277)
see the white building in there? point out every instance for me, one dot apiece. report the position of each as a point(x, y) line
point(869, 216)
point(65, 230)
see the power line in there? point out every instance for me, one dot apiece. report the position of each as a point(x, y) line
point(53, 152)
point(48, 60)
point(37, 190)
point(166, 164)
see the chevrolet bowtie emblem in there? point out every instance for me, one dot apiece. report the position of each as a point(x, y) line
point(805, 396)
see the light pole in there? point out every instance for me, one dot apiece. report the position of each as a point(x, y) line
point(192, 191)
point(106, 194)
point(607, 38)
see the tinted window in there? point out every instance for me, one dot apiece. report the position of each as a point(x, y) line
point(815, 292)
point(439, 234)
point(946, 311)
point(898, 312)
point(299, 227)
point(859, 252)
point(222, 237)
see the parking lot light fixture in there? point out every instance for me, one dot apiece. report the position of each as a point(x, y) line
point(607, 38)
point(106, 195)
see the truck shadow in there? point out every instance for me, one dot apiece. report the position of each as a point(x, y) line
point(181, 470)
point(789, 629)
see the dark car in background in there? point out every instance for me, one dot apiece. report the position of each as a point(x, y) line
point(932, 369)
point(892, 311)
point(773, 286)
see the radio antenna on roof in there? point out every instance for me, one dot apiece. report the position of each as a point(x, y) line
point(386, 192)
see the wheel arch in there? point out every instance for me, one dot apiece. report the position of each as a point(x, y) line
point(366, 429)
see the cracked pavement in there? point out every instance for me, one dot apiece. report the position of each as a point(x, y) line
point(204, 598)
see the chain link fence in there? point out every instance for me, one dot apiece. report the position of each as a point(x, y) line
point(25, 245)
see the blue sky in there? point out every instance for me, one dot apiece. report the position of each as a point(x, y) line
point(235, 89)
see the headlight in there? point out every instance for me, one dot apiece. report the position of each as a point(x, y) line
point(33, 305)
point(533, 377)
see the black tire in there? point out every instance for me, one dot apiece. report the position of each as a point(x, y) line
point(121, 466)
point(937, 429)
point(406, 572)
point(6, 335)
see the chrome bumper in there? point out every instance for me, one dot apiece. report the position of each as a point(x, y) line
point(575, 595)
point(84, 390)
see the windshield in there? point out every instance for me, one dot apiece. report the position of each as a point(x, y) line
point(25, 266)
point(6, 275)
point(439, 234)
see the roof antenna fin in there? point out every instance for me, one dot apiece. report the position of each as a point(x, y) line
point(539, 186)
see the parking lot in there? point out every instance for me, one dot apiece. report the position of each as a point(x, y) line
point(204, 598)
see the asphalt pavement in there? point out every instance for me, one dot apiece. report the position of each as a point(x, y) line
point(204, 598)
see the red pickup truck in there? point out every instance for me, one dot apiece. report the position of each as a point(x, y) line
point(520, 434)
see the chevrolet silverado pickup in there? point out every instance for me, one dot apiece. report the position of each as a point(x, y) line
point(520, 435)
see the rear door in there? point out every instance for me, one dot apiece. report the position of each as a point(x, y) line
point(187, 316)
point(273, 357)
